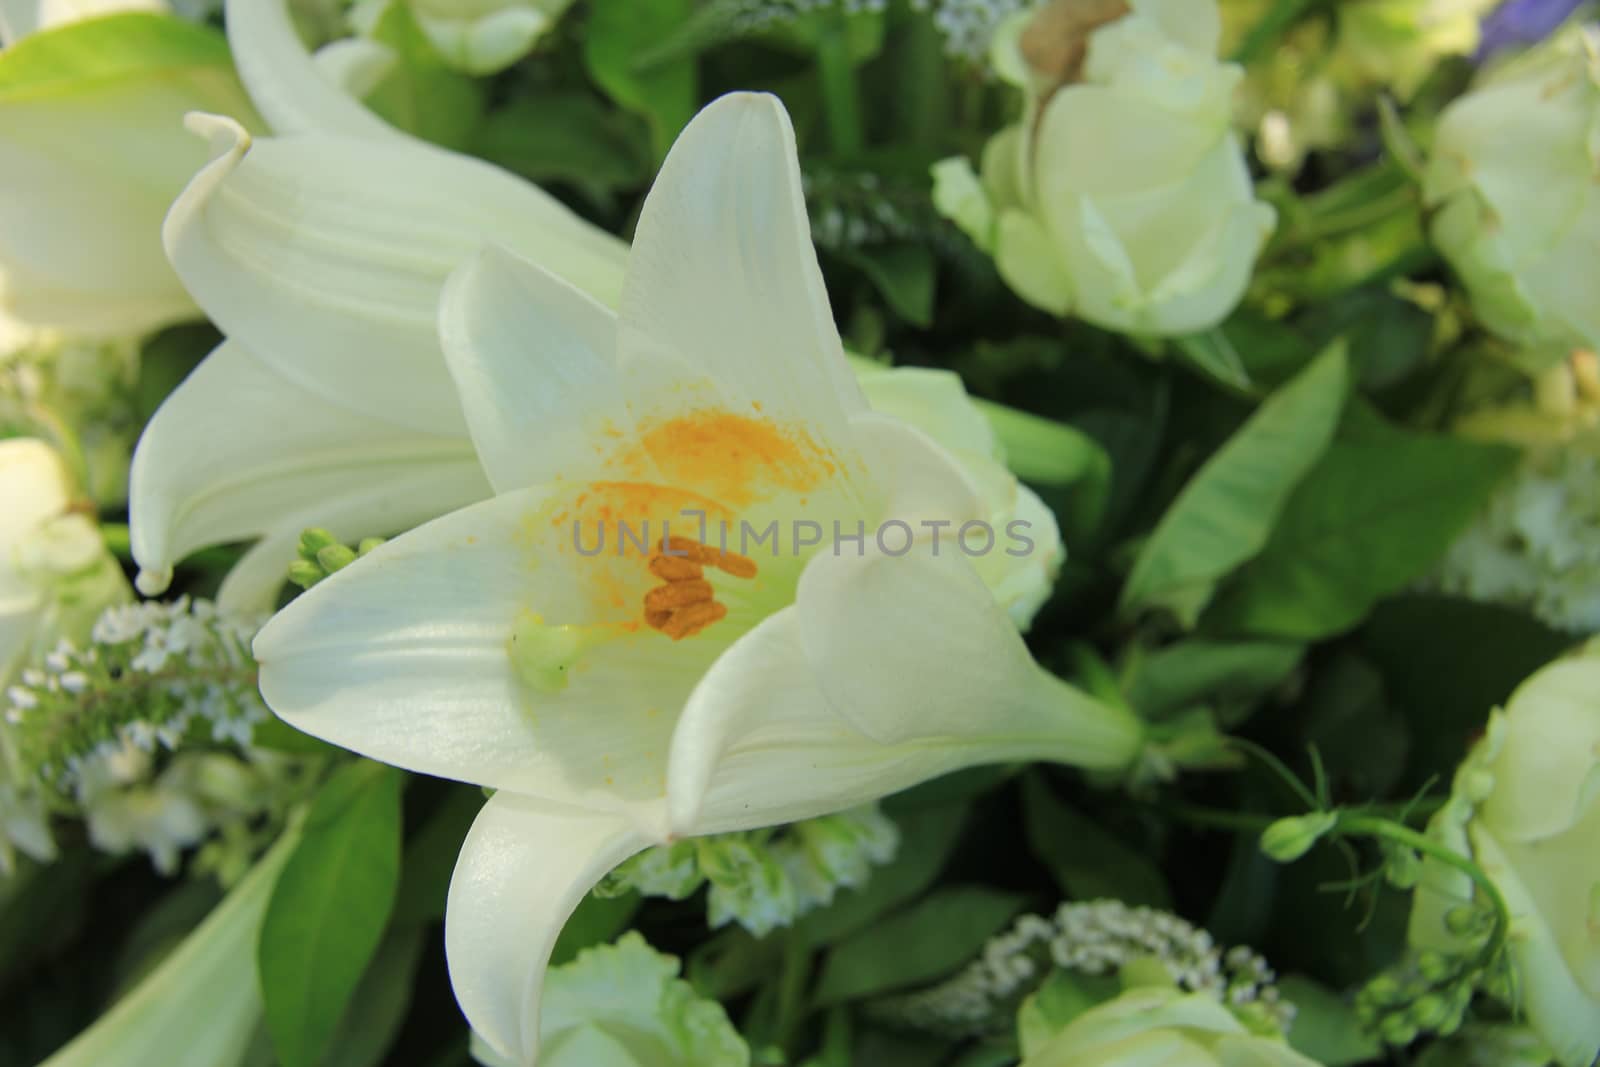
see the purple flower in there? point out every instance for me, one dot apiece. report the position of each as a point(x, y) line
point(1523, 22)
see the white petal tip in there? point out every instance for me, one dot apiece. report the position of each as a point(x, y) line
point(226, 135)
point(153, 581)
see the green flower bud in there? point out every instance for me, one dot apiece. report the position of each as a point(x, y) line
point(335, 557)
point(315, 540)
point(1288, 839)
point(305, 574)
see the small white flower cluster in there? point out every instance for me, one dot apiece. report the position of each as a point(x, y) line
point(1537, 544)
point(968, 25)
point(1095, 938)
point(145, 733)
point(749, 16)
point(764, 879)
point(854, 210)
point(151, 674)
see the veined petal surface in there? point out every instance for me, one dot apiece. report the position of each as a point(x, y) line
point(326, 257)
point(723, 274)
point(239, 451)
point(525, 865)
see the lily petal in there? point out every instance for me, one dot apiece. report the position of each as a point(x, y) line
point(239, 451)
point(326, 256)
point(289, 89)
point(723, 274)
point(534, 362)
point(406, 657)
point(773, 733)
point(523, 869)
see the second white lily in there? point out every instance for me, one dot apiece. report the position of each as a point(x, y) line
point(622, 697)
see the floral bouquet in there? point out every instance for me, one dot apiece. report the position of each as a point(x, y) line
point(799, 533)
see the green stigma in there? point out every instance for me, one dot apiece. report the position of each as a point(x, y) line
point(544, 655)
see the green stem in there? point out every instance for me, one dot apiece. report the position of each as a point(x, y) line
point(1373, 826)
point(118, 539)
point(792, 980)
point(1270, 27)
point(924, 104)
point(1246, 822)
point(841, 101)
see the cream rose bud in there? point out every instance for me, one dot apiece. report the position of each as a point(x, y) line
point(1526, 809)
point(1511, 183)
point(1159, 1025)
point(1122, 197)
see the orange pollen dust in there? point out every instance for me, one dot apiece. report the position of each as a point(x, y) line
point(686, 603)
point(730, 458)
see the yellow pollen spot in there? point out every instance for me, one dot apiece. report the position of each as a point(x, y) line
point(732, 458)
point(687, 603)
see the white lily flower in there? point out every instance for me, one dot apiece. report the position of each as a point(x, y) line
point(322, 253)
point(93, 150)
point(617, 700)
point(202, 1006)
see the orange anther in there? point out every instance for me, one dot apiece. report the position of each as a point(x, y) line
point(676, 595)
point(686, 622)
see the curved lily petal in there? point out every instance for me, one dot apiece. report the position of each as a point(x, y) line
point(524, 867)
point(326, 256)
point(240, 451)
point(772, 735)
point(533, 360)
point(920, 480)
point(406, 656)
point(289, 89)
point(723, 272)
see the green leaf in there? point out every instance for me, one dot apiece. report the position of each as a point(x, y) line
point(597, 921)
point(567, 137)
point(1215, 356)
point(1087, 861)
point(423, 95)
point(430, 857)
point(1191, 672)
point(665, 94)
point(1325, 1025)
point(1378, 510)
point(1445, 662)
point(921, 944)
point(1388, 337)
point(903, 273)
point(70, 57)
point(1226, 513)
point(378, 1009)
point(329, 909)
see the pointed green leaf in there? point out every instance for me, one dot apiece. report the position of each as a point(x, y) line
point(329, 909)
point(1088, 861)
point(619, 31)
point(1226, 512)
point(1378, 510)
point(921, 944)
